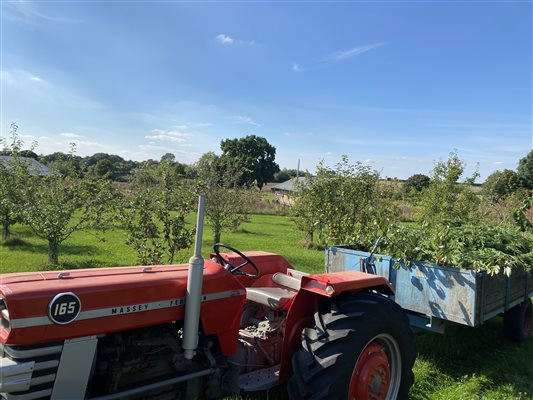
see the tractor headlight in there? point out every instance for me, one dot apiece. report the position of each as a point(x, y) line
point(4, 314)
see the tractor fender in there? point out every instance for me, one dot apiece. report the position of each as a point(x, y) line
point(305, 303)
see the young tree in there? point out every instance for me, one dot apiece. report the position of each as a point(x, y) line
point(446, 199)
point(227, 203)
point(56, 205)
point(13, 171)
point(154, 214)
point(254, 156)
point(345, 205)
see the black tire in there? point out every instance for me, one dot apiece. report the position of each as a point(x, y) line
point(517, 322)
point(344, 327)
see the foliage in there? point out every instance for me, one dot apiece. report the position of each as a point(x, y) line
point(50, 203)
point(524, 223)
point(11, 181)
point(500, 184)
point(470, 246)
point(154, 214)
point(227, 204)
point(416, 183)
point(254, 156)
point(446, 199)
point(525, 170)
point(284, 175)
point(344, 204)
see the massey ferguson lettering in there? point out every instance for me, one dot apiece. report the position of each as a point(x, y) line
point(129, 309)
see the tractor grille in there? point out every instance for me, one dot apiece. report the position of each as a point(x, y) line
point(28, 372)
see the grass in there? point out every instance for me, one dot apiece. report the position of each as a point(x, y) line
point(25, 252)
point(465, 363)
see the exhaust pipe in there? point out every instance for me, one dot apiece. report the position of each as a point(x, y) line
point(194, 289)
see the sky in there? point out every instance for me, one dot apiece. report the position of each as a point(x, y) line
point(396, 85)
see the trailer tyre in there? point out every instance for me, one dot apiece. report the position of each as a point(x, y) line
point(360, 348)
point(517, 321)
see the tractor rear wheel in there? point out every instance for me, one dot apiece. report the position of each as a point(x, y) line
point(361, 347)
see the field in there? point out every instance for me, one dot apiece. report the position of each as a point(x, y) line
point(466, 363)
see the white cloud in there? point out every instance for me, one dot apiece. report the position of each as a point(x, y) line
point(296, 68)
point(224, 39)
point(71, 135)
point(342, 55)
point(239, 119)
point(175, 136)
point(368, 161)
point(498, 163)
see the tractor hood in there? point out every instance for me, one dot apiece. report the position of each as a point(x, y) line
point(49, 306)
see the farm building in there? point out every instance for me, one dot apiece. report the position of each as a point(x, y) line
point(286, 191)
point(34, 167)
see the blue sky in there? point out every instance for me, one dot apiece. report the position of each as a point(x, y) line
point(397, 85)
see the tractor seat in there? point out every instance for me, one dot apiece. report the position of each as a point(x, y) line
point(276, 297)
point(273, 297)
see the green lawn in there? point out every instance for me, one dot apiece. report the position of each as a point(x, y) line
point(466, 363)
point(86, 249)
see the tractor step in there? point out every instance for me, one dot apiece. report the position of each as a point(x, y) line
point(260, 379)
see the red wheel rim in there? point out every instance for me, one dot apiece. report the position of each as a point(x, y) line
point(371, 376)
point(526, 326)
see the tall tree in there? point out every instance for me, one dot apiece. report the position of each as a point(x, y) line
point(416, 183)
point(500, 184)
point(525, 170)
point(254, 155)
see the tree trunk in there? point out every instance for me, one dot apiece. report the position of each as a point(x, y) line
point(216, 236)
point(309, 239)
point(53, 251)
point(5, 229)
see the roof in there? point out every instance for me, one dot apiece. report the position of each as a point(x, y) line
point(291, 185)
point(34, 166)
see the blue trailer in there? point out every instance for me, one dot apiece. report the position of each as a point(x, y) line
point(434, 296)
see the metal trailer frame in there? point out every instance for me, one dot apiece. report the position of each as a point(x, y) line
point(433, 295)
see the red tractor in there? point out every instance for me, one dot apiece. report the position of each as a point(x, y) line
point(236, 322)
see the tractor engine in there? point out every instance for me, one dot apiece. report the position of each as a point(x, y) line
point(260, 338)
point(125, 359)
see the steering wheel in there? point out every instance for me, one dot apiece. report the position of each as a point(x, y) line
point(235, 270)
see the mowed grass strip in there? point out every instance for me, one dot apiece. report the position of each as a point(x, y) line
point(465, 363)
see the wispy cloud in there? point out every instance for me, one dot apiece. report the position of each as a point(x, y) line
point(71, 135)
point(44, 91)
point(343, 55)
point(29, 13)
point(498, 163)
point(175, 136)
point(296, 68)
point(239, 119)
point(225, 39)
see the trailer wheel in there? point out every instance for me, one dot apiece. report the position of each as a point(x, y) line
point(360, 348)
point(517, 321)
